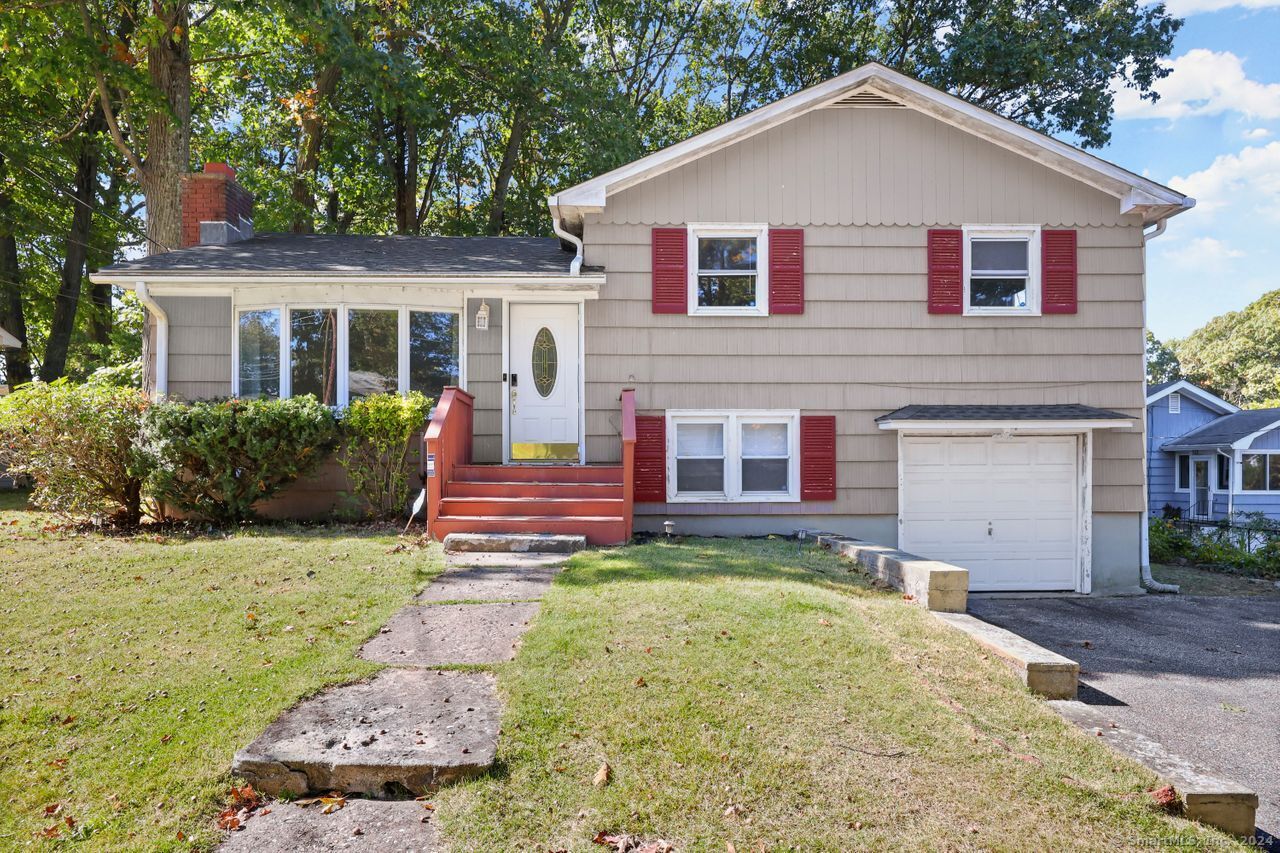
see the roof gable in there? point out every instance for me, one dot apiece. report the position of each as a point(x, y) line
point(876, 85)
point(1156, 393)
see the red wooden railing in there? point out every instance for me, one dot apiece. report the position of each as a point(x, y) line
point(446, 445)
point(628, 400)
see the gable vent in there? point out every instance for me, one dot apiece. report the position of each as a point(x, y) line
point(1175, 403)
point(866, 99)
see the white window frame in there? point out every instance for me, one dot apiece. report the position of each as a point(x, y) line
point(1175, 403)
point(732, 421)
point(1266, 472)
point(342, 392)
point(759, 231)
point(1030, 233)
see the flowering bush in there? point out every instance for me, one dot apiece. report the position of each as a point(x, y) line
point(79, 446)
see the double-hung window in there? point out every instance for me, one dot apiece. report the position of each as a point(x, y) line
point(339, 353)
point(728, 269)
point(1260, 472)
point(733, 456)
point(1001, 269)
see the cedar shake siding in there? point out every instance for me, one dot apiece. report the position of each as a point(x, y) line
point(867, 186)
point(200, 335)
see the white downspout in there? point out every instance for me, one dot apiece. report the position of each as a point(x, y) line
point(1148, 582)
point(162, 338)
point(576, 264)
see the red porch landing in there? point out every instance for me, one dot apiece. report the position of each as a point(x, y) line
point(585, 500)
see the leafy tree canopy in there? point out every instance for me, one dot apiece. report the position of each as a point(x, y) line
point(1237, 355)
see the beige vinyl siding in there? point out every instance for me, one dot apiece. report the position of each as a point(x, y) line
point(484, 381)
point(200, 340)
point(866, 185)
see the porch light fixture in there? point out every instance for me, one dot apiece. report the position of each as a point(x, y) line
point(482, 316)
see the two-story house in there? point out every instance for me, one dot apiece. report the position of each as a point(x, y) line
point(870, 307)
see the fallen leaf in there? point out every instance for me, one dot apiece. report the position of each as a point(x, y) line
point(640, 682)
point(824, 623)
point(50, 831)
point(602, 775)
point(332, 803)
point(52, 809)
point(1167, 799)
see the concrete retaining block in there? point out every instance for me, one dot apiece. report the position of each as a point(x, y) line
point(540, 543)
point(936, 585)
point(1046, 673)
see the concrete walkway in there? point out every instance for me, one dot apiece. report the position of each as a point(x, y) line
point(411, 728)
point(1199, 675)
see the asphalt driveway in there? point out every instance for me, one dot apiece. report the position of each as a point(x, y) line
point(1200, 675)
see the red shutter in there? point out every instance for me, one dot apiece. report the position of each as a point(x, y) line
point(786, 270)
point(651, 459)
point(817, 457)
point(946, 271)
point(670, 271)
point(1058, 272)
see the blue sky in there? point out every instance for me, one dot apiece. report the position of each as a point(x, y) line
point(1215, 135)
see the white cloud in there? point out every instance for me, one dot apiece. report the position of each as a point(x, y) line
point(1192, 7)
point(1201, 252)
point(1203, 82)
point(1249, 182)
point(1257, 133)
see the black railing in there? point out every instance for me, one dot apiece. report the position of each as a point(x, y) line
point(1248, 535)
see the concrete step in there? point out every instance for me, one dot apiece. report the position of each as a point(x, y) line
point(539, 473)
point(532, 489)
point(515, 543)
point(494, 581)
point(451, 633)
point(598, 530)
point(361, 826)
point(402, 732)
point(532, 506)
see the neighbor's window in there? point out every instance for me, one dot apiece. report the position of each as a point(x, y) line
point(1002, 271)
point(259, 353)
point(373, 338)
point(1224, 473)
point(1260, 472)
point(313, 353)
point(748, 456)
point(728, 271)
point(1184, 472)
point(433, 351)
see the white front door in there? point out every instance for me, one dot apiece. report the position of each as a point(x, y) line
point(542, 386)
point(1003, 508)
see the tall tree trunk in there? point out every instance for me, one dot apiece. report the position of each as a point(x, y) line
point(17, 362)
point(102, 321)
point(168, 131)
point(83, 202)
point(308, 166)
point(405, 172)
point(502, 181)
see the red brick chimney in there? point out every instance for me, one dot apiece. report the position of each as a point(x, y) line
point(215, 208)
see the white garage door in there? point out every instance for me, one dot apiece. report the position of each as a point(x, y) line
point(1003, 508)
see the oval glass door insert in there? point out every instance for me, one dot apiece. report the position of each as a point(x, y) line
point(545, 361)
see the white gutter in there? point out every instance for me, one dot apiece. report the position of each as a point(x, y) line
point(1148, 582)
point(162, 338)
point(576, 264)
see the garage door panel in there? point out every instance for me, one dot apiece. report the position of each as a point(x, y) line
point(1004, 508)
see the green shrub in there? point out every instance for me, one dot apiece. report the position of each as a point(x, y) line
point(378, 432)
point(78, 444)
point(1166, 542)
point(216, 459)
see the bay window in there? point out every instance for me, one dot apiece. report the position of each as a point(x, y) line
point(733, 456)
point(341, 353)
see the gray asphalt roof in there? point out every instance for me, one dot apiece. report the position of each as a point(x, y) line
point(1226, 429)
point(1067, 412)
point(1160, 386)
point(356, 254)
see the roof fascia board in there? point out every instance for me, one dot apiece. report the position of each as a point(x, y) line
point(1136, 193)
point(8, 341)
point(1184, 386)
point(1065, 425)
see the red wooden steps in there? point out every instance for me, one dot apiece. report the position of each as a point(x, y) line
point(585, 500)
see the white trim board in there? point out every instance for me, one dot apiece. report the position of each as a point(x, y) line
point(1182, 386)
point(1133, 192)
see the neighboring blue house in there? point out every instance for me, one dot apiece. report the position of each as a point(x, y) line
point(1207, 458)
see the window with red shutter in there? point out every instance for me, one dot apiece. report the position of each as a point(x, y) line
point(946, 271)
point(650, 459)
point(817, 457)
point(1058, 271)
point(670, 270)
point(786, 270)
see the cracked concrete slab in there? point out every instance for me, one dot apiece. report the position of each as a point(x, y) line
point(523, 559)
point(445, 634)
point(490, 584)
point(403, 731)
point(362, 826)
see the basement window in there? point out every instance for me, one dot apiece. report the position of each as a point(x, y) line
point(733, 456)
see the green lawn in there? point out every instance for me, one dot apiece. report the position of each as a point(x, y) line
point(744, 692)
point(134, 667)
